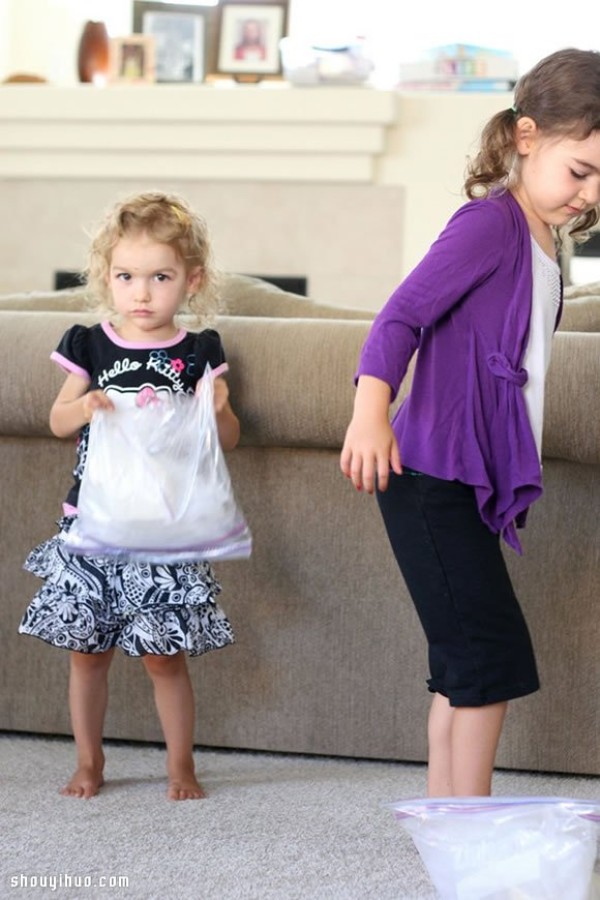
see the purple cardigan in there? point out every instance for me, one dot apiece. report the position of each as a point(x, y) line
point(466, 307)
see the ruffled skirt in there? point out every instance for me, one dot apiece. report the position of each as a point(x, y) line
point(91, 604)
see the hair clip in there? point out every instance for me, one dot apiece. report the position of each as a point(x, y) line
point(179, 214)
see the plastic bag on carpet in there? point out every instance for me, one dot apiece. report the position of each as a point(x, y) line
point(505, 848)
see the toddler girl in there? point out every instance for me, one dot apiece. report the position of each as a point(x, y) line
point(150, 259)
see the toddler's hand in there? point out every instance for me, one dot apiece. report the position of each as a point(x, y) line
point(221, 394)
point(94, 400)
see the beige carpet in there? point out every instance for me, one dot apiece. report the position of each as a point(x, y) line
point(274, 827)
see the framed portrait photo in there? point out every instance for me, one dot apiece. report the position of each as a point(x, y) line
point(131, 59)
point(180, 38)
point(248, 38)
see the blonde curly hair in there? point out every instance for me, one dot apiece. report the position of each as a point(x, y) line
point(167, 219)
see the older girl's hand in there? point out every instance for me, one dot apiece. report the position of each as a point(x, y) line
point(370, 446)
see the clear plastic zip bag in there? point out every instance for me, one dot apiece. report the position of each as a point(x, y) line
point(156, 487)
point(505, 848)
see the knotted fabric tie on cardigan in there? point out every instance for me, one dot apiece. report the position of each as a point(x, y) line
point(499, 365)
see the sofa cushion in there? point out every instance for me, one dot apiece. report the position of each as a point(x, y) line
point(581, 309)
point(241, 295)
point(291, 380)
point(71, 299)
point(576, 291)
point(307, 402)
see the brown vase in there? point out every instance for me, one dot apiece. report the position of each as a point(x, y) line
point(92, 54)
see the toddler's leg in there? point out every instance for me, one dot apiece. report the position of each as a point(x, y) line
point(88, 696)
point(175, 705)
point(462, 748)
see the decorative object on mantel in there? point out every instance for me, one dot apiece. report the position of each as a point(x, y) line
point(305, 64)
point(248, 36)
point(131, 59)
point(93, 53)
point(24, 78)
point(181, 33)
point(461, 67)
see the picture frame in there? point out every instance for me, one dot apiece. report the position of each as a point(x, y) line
point(248, 38)
point(131, 59)
point(180, 32)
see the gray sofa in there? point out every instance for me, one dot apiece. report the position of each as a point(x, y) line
point(329, 656)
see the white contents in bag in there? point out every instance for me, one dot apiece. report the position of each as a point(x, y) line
point(504, 848)
point(156, 486)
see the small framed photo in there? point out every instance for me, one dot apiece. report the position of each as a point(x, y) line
point(131, 59)
point(248, 38)
point(180, 38)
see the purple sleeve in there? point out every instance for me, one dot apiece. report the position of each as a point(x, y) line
point(467, 252)
point(72, 353)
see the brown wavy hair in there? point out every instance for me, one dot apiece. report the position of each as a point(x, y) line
point(562, 95)
point(165, 218)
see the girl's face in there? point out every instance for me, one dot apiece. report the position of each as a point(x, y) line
point(148, 283)
point(559, 176)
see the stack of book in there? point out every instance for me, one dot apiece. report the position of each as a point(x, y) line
point(460, 67)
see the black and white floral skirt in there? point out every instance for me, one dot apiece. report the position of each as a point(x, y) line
point(91, 604)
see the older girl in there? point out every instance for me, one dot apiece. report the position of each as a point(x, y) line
point(465, 446)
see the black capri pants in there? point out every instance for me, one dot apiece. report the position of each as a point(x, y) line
point(480, 650)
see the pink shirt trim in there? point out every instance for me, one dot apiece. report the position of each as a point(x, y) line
point(70, 367)
point(220, 370)
point(112, 335)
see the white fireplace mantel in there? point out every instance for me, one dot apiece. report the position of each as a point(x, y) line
point(194, 132)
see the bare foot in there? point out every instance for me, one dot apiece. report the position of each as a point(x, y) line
point(85, 783)
point(184, 785)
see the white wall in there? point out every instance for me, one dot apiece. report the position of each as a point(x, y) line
point(416, 144)
point(322, 231)
point(426, 150)
point(44, 33)
point(528, 29)
point(41, 36)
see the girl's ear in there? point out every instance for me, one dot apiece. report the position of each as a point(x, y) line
point(526, 133)
point(194, 279)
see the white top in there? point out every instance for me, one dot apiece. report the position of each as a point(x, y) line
point(544, 309)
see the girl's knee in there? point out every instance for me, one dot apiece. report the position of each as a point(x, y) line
point(164, 666)
point(439, 725)
point(91, 662)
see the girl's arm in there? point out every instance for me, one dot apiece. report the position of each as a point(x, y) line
point(228, 424)
point(75, 405)
point(467, 252)
point(370, 445)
